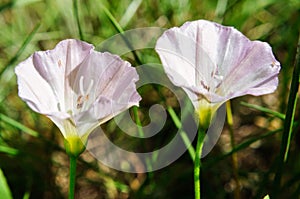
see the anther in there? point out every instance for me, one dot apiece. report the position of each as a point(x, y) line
point(84, 96)
point(59, 63)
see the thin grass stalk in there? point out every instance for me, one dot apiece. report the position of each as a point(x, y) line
point(27, 40)
point(76, 13)
point(234, 158)
point(288, 123)
point(183, 134)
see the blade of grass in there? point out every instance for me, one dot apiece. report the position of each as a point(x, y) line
point(234, 157)
point(243, 145)
point(220, 10)
point(8, 150)
point(288, 123)
point(267, 176)
point(76, 13)
point(132, 8)
point(4, 188)
point(183, 135)
point(120, 30)
point(21, 49)
point(26, 195)
point(138, 121)
point(112, 19)
point(265, 110)
point(18, 125)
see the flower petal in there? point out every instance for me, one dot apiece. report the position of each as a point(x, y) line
point(256, 74)
point(185, 60)
point(103, 110)
point(34, 90)
point(177, 54)
point(113, 86)
point(216, 62)
point(54, 65)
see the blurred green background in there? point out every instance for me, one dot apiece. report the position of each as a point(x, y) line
point(32, 157)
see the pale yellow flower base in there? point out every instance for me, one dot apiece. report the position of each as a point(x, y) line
point(74, 146)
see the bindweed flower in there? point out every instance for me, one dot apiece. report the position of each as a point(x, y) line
point(214, 63)
point(77, 88)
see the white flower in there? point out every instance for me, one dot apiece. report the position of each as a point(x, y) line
point(77, 87)
point(214, 63)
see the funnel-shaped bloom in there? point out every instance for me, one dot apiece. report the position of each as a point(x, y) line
point(77, 87)
point(214, 63)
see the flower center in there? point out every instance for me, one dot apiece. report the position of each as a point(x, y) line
point(213, 83)
point(84, 95)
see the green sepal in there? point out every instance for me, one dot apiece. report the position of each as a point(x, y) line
point(74, 146)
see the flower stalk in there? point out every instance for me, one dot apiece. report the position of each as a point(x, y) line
point(78, 88)
point(213, 64)
point(197, 163)
point(74, 147)
point(73, 162)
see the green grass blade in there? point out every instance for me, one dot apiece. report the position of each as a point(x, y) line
point(4, 188)
point(183, 134)
point(75, 8)
point(220, 10)
point(239, 147)
point(120, 30)
point(112, 19)
point(265, 110)
point(131, 10)
point(21, 49)
point(8, 150)
point(18, 125)
point(288, 123)
point(26, 195)
point(138, 121)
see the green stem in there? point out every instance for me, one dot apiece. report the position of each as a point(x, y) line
point(197, 162)
point(73, 160)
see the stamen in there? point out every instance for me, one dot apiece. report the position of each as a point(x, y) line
point(81, 85)
point(80, 102)
point(84, 95)
point(204, 85)
point(90, 86)
point(219, 80)
point(59, 63)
